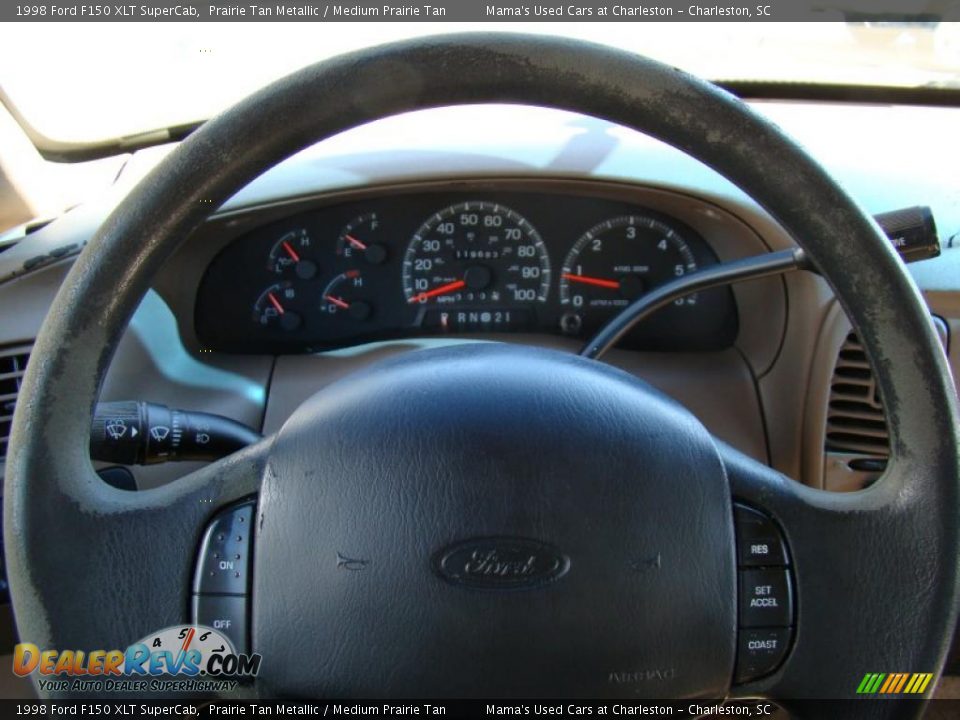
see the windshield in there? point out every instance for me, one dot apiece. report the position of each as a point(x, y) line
point(87, 82)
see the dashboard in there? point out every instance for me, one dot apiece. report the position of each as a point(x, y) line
point(755, 363)
point(472, 260)
point(195, 342)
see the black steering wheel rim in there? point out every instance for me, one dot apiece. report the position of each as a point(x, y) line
point(53, 496)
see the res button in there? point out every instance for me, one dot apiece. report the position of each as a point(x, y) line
point(759, 542)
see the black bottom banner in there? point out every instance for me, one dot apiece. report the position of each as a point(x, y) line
point(757, 708)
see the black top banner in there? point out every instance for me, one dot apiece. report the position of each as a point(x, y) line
point(479, 10)
point(121, 707)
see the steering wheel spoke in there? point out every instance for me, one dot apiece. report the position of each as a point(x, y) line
point(233, 478)
point(863, 567)
point(130, 552)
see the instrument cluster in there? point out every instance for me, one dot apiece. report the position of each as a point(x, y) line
point(458, 262)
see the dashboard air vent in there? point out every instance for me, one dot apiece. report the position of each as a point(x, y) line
point(855, 418)
point(13, 363)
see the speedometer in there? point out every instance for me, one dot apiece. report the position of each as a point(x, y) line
point(479, 254)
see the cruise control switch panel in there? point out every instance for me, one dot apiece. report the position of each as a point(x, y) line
point(766, 595)
point(221, 583)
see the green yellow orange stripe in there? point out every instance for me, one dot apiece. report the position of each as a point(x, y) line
point(890, 686)
point(875, 685)
point(894, 683)
point(891, 679)
point(903, 680)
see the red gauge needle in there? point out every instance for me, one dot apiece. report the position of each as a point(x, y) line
point(356, 243)
point(442, 290)
point(338, 302)
point(188, 640)
point(598, 282)
point(276, 303)
point(290, 251)
point(186, 644)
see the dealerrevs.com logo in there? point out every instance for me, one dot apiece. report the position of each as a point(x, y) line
point(181, 658)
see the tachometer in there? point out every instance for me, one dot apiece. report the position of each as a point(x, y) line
point(615, 262)
point(476, 254)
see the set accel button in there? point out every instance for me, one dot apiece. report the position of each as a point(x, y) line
point(765, 598)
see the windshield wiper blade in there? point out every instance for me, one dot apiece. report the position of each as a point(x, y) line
point(940, 95)
point(66, 151)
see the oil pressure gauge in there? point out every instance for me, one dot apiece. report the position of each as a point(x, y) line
point(291, 254)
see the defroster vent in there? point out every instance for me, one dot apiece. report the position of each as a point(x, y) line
point(13, 363)
point(855, 419)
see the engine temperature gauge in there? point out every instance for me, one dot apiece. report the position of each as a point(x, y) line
point(343, 295)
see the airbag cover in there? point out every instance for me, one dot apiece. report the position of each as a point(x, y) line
point(493, 520)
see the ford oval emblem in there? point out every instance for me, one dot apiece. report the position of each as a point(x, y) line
point(501, 563)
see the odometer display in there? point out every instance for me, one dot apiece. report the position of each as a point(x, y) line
point(476, 254)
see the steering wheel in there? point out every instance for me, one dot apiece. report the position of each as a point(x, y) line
point(390, 567)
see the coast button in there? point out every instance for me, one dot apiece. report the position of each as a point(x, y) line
point(759, 652)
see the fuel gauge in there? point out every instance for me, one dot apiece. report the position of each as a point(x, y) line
point(359, 241)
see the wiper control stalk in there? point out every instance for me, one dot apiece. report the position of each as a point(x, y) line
point(141, 433)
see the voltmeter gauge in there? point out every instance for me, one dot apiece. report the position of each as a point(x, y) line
point(274, 307)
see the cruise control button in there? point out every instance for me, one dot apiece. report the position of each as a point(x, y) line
point(224, 613)
point(759, 652)
point(759, 542)
point(765, 598)
point(224, 564)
